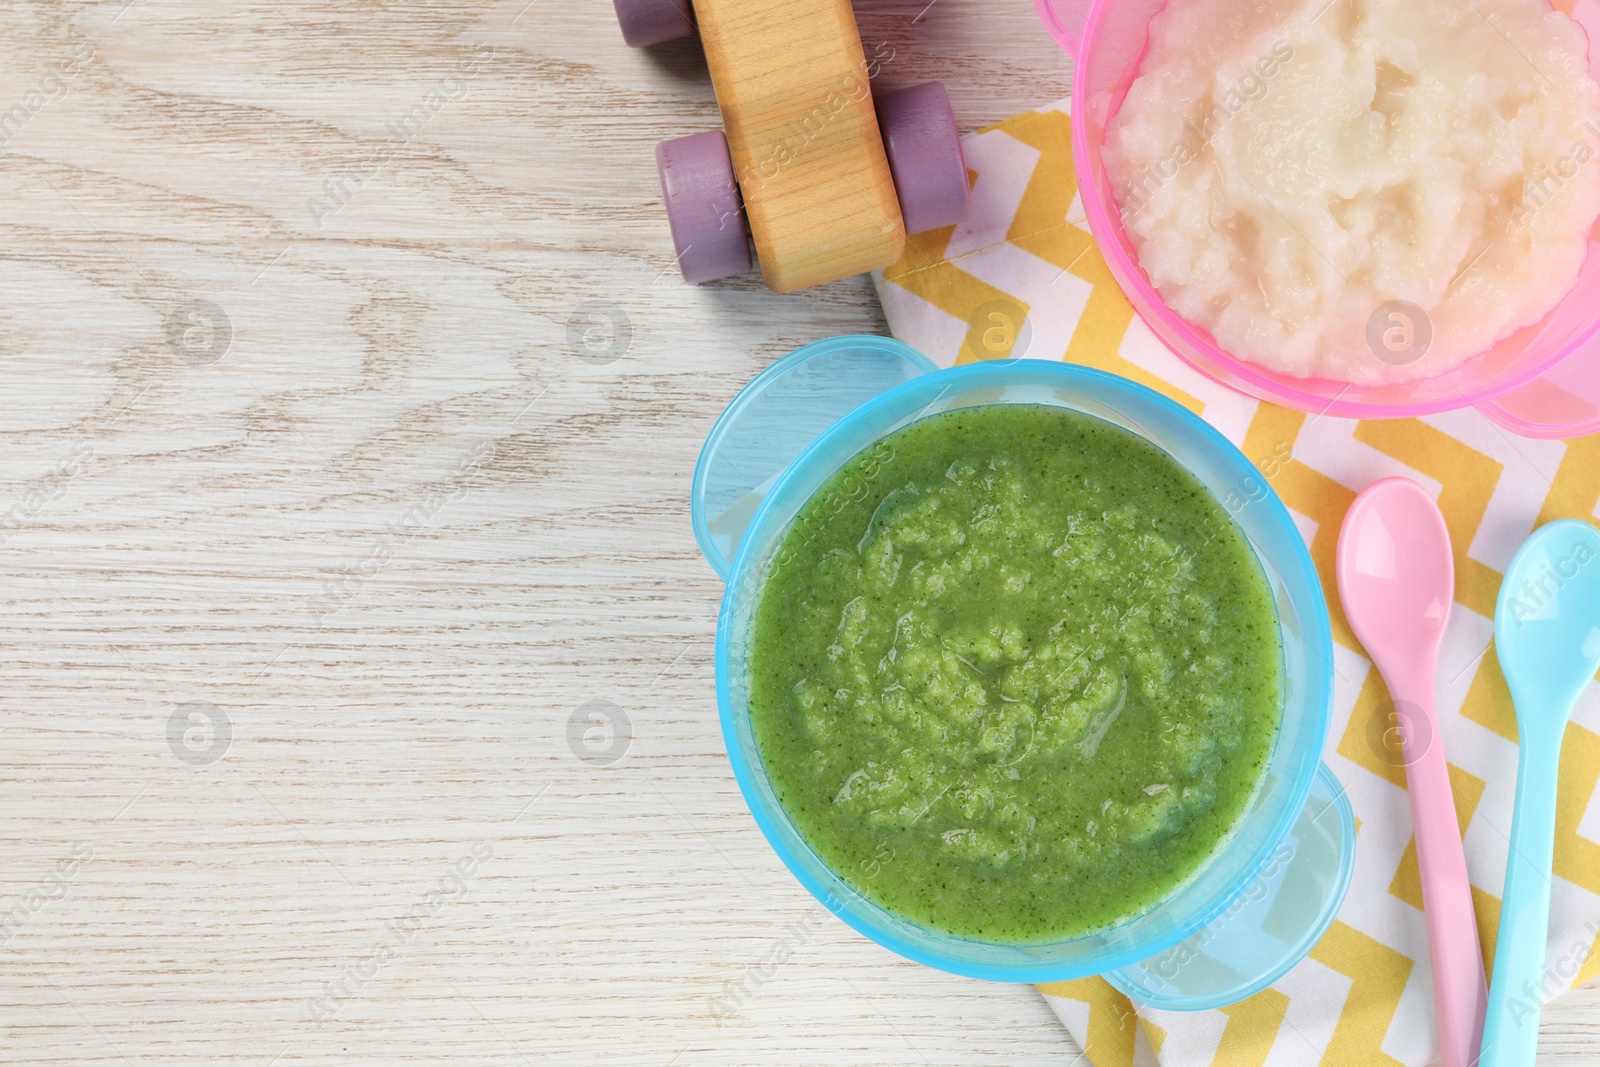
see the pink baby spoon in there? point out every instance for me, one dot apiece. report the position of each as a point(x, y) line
point(1397, 579)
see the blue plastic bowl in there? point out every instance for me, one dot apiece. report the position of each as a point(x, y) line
point(785, 436)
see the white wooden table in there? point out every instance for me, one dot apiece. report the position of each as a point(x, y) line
point(319, 526)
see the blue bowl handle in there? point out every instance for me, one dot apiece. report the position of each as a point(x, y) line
point(1273, 923)
point(774, 418)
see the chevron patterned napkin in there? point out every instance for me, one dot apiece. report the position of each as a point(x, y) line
point(1022, 277)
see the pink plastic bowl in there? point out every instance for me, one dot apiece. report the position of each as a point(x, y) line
point(1543, 381)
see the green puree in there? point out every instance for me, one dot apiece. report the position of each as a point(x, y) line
point(1015, 674)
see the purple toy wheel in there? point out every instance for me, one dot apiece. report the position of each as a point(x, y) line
point(924, 148)
point(648, 22)
point(703, 206)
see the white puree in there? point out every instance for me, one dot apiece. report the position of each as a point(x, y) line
point(1286, 167)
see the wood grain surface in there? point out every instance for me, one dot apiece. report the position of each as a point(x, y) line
point(356, 649)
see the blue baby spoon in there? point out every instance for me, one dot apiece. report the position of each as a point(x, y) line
point(1547, 634)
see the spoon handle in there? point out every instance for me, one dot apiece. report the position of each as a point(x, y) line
point(1511, 1027)
point(1459, 992)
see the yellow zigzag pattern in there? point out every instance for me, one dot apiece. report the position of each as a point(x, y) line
point(1040, 227)
point(1378, 976)
point(1111, 1019)
point(1270, 444)
point(1467, 478)
point(1577, 857)
point(1252, 1028)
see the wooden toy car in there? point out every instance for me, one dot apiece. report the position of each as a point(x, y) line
point(831, 180)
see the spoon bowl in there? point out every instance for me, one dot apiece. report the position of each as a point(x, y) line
point(1396, 573)
point(1547, 621)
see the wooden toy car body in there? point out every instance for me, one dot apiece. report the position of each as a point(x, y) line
point(796, 99)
